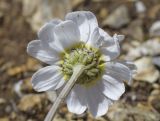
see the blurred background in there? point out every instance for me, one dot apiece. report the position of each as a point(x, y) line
point(20, 20)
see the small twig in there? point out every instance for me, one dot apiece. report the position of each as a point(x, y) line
point(77, 71)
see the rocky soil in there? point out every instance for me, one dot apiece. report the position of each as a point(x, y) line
point(138, 20)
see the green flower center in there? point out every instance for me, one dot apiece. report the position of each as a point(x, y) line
point(81, 54)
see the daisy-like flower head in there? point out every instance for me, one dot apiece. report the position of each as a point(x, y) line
point(79, 40)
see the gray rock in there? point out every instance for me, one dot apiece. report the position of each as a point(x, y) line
point(125, 112)
point(38, 12)
point(140, 7)
point(52, 95)
point(117, 18)
point(155, 29)
point(135, 30)
point(156, 61)
point(31, 102)
point(146, 70)
point(4, 119)
point(149, 48)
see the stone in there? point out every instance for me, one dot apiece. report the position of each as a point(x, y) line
point(156, 86)
point(154, 11)
point(4, 119)
point(59, 118)
point(154, 99)
point(118, 18)
point(52, 95)
point(17, 88)
point(27, 85)
point(146, 70)
point(38, 12)
point(140, 7)
point(33, 64)
point(156, 61)
point(1, 61)
point(6, 66)
point(16, 70)
point(75, 3)
point(31, 101)
point(155, 29)
point(135, 30)
point(148, 48)
point(125, 112)
point(2, 101)
point(23, 86)
point(103, 13)
point(30, 65)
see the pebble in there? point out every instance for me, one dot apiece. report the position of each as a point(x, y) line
point(135, 30)
point(155, 29)
point(2, 101)
point(156, 61)
point(75, 3)
point(154, 11)
point(148, 48)
point(140, 7)
point(38, 12)
point(4, 119)
point(146, 70)
point(103, 13)
point(26, 85)
point(156, 86)
point(52, 95)
point(30, 101)
point(118, 18)
point(30, 65)
point(154, 99)
point(124, 112)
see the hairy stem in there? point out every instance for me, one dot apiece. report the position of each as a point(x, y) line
point(77, 71)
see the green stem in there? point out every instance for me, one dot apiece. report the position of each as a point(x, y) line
point(77, 71)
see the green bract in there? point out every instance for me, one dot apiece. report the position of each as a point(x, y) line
point(84, 55)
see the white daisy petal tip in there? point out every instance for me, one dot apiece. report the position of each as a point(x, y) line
point(86, 22)
point(67, 33)
point(119, 38)
point(113, 88)
point(47, 29)
point(47, 78)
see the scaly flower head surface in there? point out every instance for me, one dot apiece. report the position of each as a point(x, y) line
point(79, 40)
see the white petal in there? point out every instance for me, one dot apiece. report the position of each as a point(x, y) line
point(86, 21)
point(60, 84)
point(67, 34)
point(110, 53)
point(46, 34)
point(100, 38)
point(96, 39)
point(108, 40)
point(47, 78)
point(42, 52)
point(112, 88)
point(75, 100)
point(55, 21)
point(120, 38)
point(97, 102)
point(103, 33)
point(113, 51)
point(129, 64)
point(118, 71)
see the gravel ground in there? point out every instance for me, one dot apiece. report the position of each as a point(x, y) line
point(138, 20)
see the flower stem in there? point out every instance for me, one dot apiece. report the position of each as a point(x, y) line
point(77, 71)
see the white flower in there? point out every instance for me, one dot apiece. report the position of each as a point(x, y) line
point(79, 40)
